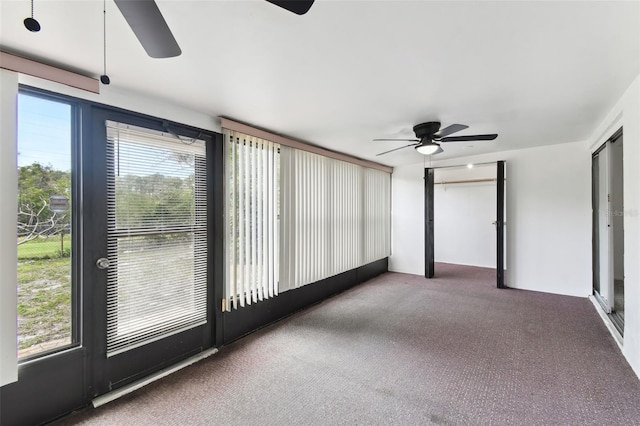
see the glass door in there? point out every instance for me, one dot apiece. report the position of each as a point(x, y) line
point(152, 270)
point(115, 255)
point(608, 228)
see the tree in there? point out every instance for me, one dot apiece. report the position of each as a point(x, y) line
point(154, 200)
point(36, 185)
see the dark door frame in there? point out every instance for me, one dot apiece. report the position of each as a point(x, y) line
point(429, 240)
point(429, 246)
point(122, 369)
point(500, 225)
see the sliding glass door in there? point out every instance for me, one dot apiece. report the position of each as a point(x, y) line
point(608, 228)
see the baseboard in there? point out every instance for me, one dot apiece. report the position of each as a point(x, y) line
point(240, 322)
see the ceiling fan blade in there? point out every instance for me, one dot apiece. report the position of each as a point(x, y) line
point(404, 140)
point(450, 130)
point(469, 138)
point(299, 7)
point(396, 149)
point(149, 26)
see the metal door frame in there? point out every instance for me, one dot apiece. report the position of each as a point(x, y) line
point(429, 240)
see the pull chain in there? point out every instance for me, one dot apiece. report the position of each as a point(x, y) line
point(31, 23)
point(104, 78)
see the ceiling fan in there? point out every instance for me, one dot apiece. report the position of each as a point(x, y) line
point(149, 26)
point(429, 134)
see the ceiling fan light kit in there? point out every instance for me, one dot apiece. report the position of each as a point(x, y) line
point(429, 134)
point(429, 148)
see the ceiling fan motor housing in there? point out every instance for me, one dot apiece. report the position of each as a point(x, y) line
point(426, 130)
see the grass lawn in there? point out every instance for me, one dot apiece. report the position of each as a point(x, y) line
point(43, 248)
point(44, 292)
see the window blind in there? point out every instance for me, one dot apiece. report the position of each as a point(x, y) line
point(157, 236)
point(294, 217)
point(251, 218)
point(376, 215)
point(335, 217)
point(306, 232)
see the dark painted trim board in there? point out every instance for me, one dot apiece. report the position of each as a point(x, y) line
point(20, 404)
point(500, 225)
point(429, 239)
point(243, 321)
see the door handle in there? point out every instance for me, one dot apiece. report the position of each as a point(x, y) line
point(103, 263)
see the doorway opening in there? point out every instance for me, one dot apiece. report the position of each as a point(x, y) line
point(465, 217)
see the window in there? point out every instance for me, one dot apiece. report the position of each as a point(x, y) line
point(335, 217)
point(157, 236)
point(294, 217)
point(45, 285)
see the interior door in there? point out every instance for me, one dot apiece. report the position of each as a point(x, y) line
point(151, 275)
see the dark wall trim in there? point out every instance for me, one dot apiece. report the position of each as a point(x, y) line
point(242, 321)
point(215, 169)
point(500, 225)
point(429, 245)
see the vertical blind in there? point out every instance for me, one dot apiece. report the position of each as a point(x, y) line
point(334, 216)
point(321, 210)
point(156, 236)
point(376, 215)
point(304, 227)
point(251, 220)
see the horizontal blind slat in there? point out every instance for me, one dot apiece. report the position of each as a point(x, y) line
point(157, 236)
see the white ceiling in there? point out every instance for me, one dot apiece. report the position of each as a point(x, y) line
point(537, 73)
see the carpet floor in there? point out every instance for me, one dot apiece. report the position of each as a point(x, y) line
point(403, 350)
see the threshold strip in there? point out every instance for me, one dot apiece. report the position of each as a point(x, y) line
point(113, 395)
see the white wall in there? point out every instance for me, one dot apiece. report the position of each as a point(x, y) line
point(464, 212)
point(8, 229)
point(548, 193)
point(626, 113)
point(110, 95)
point(407, 219)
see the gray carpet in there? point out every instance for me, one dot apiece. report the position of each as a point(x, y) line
point(402, 350)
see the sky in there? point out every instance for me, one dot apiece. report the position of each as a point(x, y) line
point(44, 136)
point(44, 132)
